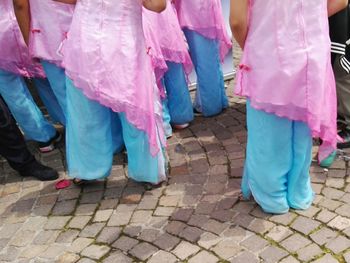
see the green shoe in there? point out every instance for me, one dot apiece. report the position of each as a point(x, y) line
point(326, 163)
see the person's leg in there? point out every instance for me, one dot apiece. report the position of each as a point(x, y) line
point(89, 143)
point(15, 151)
point(300, 194)
point(343, 94)
point(49, 99)
point(211, 98)
point(15, 92)
point(142, 166)
point(268, 160)
point(179, 99)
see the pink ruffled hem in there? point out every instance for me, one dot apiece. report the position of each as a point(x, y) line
point(147, 124)
point(328, 134)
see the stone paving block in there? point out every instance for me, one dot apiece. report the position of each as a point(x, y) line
point(245, 257)
point(330, 204)
point(198, 220)
point(9, 254)
point(103, 215)
point(148, 203)
point(254, 243)
point(92, 230)
point(164, 211)
point(289, 259)
point(185, 250)
point(335, 182)
point(108, 235)
point(79, 222)
point(284, 219)
point(86, 260)
point(203, 257)
point(310, 212)
point(68, 194)
point(214, 226)
point(222, 215)
point(120, 218)
point(166, 242)
point(305, 225)
point(143, 251)
point(326, 259)
point(273, 254)
point(339, 223)
point(22, 238)
point(91, 198)
point(125, 243)
point(323, 236)
point(46, 237)
point(332, 193)
point(347, 257)
point(163, 257)
point(52, 252)
point(67, 236)
point(34, 223)
point(56, 222)
point(310, 252)
point(338, 244)
point(344, 210)
point(295, 242)
point(182, 214)
point(68, 258)
point(86, 209)
point(175, 227)
point(95, 251)
point(205, 208)
point(325, 216)
point(132, 230)
point(279, 233)
point(171, 200)
point(79, 244)
point(9, 230)
point(115, 257)
point(208, 240)
point(141, 216)
point(32, 251)
point(108, 204)
point(64, 208)
point(191, 234)
point(260, 226)
point(227, 249)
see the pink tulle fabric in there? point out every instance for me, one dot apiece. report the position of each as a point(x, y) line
point(14, 53)
point(286, 68)
point(50, 22)
point(105, 55)
point(205, 17)
point(165, 40)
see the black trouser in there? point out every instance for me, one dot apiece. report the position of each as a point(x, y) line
point(12, 144)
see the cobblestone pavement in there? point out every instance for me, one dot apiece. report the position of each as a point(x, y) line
point(196, 218)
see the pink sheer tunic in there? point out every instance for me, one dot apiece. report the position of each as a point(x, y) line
point(50, 22)
point(165, 39)
point(286, 67)
point(105, 55)
point(205, 17)
point(14, 53)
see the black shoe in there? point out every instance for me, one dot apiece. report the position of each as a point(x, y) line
point(39, 171)
point(345, 135)
point(49, 146)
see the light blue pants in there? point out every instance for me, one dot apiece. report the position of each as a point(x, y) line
point(168, 130)
point(278, 161)
point(21, 104)
point(94, 133)
point(211, 97)
point(178, 95)
point(49, 99)
point(57, 79)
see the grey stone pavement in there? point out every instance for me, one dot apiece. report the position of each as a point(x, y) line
point(195, 218)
